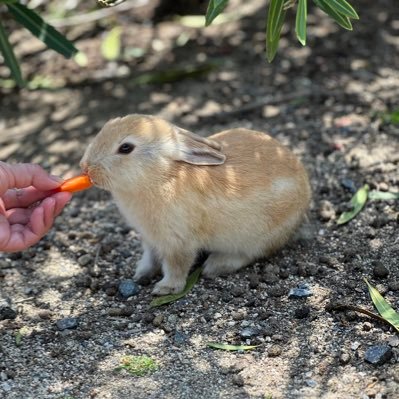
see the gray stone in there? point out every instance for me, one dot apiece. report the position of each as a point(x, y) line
point(6, 313)
point(249, 332)
point(301, 291)
point(274, 351)
point(380, 271)
point(378, 354)
point(68, 323)
point(128, 288)
point(84, 260)
point(179, 338)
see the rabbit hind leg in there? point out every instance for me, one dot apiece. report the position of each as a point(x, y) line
point(222, 263)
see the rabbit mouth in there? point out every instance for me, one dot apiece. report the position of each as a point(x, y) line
point(99, 179)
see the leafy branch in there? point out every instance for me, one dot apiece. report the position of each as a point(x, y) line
point(340, 10)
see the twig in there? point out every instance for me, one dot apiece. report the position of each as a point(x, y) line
point(96, 15)
point(343, 306)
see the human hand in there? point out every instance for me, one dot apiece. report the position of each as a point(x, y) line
point(28, 206)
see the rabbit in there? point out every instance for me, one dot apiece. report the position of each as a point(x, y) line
point(238, 194)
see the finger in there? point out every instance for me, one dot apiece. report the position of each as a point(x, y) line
point(22, 198)
point(61, 199)
point(48, 215)
point(25, 175)
point(5, 232)
point(18, 216)
point(36, 223)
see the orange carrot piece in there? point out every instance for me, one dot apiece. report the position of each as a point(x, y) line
point(77, 183)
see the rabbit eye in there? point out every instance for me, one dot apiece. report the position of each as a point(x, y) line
point(125, 148)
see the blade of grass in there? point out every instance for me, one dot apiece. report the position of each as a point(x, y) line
point(191, 281)
point(383, 195)
point(111, 45)
point(340, 19)
point(273, 37)
point(9, 57)
point(42, 30)
point(228, 347)
point(344, 8)
point(276, 8)
point(215, 7)
point(300, 24)
point(383, 307)
point(358, 201)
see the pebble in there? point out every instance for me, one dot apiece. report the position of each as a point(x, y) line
point(345, 358)
point(253, 281)
point(249, 332)
point(378, 354)
point(6, 313)
point(270, 278)
point(274, 351)
point(326, 210)
point(121, 312)
point(238, 291)
point(302, 312)
point(3, 376)
point(179, 338)
point(394, 341)
point(380, 271)
point(238, 315)
point(238, 380)
point(393, 285)
point(311, 383)
point(355, 345)
point(68, 323)
point(6, 387)
point(276, 291)
point(157, 321)
point(128, 288)
point(84, 260)
point(349, 185)
point(301, 291)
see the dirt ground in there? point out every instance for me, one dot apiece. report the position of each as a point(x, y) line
point(328, 102)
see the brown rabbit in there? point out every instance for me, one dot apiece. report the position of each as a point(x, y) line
point(238, 195)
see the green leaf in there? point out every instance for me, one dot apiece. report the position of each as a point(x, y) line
point(275, 22)
point(338, 17)
point(301, 17)
point(358, 201)
point(344, 8)
point(228, 347)
point(191, 281)
point(383, 195)
point(9, 57)
point(45, 32)
point(137, 365)
point(383, 307)
point(111, 45)
point(215, 7)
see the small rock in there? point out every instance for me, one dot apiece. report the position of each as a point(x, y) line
point(344, 358)
point(238, 291)
point(355, 345)
point(45, 314)
point(277, 291)
point(274, 351)
point(179, 338)
point(367, 326)
point(253, 281)
point(158, 319)
point(311, 383)
point(394, 341)
point(6, 313)
point(301, 291)
point(217, 316)
point(128, 288)
point(68, 323)
point(84, 260)
point(270, 278)
point(239, 315)
point(302, 312)
point(349, 185)
point(249, 332)
point(380, 271)
point(378, 354)
point(383, 186)
point(6, 387)
point(393, 285)
point(326, 210)
point(238, 380)
point(3, 376)
point(121, 312)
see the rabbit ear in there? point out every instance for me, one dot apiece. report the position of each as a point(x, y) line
point(197, 150)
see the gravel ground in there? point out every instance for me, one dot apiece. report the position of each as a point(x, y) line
point(327, 102)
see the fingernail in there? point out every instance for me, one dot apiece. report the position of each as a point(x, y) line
point(56, 178)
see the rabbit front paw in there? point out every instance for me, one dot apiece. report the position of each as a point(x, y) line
point(167, 286)
point(147, 266)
